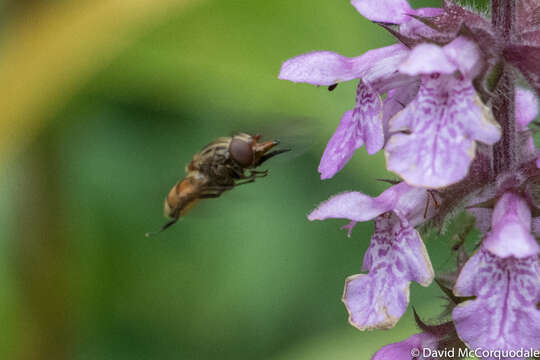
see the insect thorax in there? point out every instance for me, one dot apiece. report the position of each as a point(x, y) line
point(214, 161)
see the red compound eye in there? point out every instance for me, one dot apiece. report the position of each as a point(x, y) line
point(241, 152)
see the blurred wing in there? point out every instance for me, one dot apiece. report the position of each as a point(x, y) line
point(294, 133)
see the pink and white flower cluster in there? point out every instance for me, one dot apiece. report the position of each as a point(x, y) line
point(443, 105)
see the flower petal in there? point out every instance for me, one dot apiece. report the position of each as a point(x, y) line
point(322, 68)
point(427, 59)
point(504, 315)
point(362, 125)
point(395, 257)
point(510, 233)
point(368, 116)
point(461, 54)
point(402, 350)
point(382, 72)
point(341, 147)
point(440, 127)
point(388, 11)
point(396, 100)
point(328, 68)
point(356, 206)
point(465, 54)
point(526, 107)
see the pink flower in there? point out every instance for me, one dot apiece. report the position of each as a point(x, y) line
point(395, 257)
point(504, 275)
point(432, 141)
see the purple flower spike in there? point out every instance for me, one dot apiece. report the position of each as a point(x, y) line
point(402, 350)
point(434, 136)
point(504, 275)
point(395, 257)
point(418, 101)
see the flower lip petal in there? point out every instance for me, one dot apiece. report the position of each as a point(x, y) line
point(387, 11)
point(504, 314)
point(434, 140)
point(396, 256)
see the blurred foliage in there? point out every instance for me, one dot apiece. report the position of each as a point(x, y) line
point(104, 102)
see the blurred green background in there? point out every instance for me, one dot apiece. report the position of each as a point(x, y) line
point(103, 103)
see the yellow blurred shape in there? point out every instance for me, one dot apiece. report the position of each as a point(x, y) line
point(51, 49)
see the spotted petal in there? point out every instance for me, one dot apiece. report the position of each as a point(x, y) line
point(396, 100)
point(362, 125)
point(504, 315)
point(395, 257)
point(433, 144)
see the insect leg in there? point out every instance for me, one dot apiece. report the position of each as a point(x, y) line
point(210, 195)
point(255, 173)
point(250, 180)
point(214, 191)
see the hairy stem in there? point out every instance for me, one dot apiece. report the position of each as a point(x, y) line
point(506, 151)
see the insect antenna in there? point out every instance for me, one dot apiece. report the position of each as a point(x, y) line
point(148, 234)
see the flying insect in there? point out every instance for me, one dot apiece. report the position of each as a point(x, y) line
point(222, 165)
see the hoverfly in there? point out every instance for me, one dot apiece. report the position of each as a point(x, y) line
point(221, 165)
